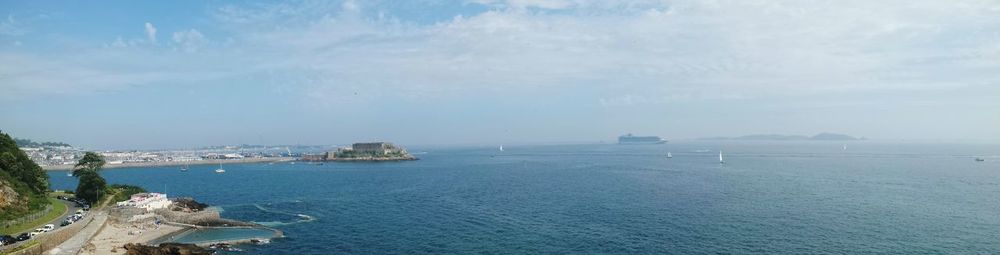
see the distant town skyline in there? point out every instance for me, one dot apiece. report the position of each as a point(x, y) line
point(182, 74)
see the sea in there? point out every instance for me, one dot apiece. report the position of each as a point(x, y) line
point(768, 197)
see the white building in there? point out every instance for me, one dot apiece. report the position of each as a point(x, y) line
point(148, 201)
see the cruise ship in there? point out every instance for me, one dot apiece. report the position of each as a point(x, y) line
point(631, 139)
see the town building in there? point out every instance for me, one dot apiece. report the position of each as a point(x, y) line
point(148, 201)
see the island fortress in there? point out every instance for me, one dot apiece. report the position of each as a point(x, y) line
point(375, 151)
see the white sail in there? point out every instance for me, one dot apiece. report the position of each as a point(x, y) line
point(501, 147)
point(669, 155)
point(720, 157)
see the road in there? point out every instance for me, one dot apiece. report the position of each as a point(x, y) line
point(70, 209)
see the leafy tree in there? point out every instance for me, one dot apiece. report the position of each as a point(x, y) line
point(17, 164)
point(92, 186)
point(28, 180)
point(91, 162)
point(91, 183)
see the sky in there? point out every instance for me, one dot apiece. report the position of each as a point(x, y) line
point(180, 74)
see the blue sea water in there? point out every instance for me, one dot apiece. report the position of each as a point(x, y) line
point(782, 197)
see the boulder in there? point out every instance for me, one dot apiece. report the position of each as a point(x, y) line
point(165, 249)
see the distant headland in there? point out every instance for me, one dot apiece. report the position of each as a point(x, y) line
point(773, 137)
point(374, 151)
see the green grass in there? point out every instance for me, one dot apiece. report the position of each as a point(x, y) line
point(58, 208)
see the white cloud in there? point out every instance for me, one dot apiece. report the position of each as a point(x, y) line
point(10, 27)
point(633, 51)
point(118, 43)
point(189, 40)
point(151, 33)
point(691, 48)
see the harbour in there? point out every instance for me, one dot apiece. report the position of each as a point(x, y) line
point(659, 204)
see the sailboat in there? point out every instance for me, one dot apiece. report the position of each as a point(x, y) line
point(184, 168)
point(501, 147)
point(669, 156)
point(720, 158)
point(220, 170)
point(845, 147)
point(69, 173)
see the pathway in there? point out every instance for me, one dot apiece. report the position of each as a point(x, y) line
point(75, 243)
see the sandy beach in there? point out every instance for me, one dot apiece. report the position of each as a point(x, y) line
point(179, 163)
point(112, 238)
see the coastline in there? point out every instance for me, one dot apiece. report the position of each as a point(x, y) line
point(178, 163)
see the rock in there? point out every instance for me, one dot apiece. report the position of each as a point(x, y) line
point(165, 249)
point(188, 204)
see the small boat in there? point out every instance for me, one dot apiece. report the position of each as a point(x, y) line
point(220, 170)
point(669, 155)
point(845, 147)
point(501, 147)
point(980, 159)
point(69, 173)
point(184, 168)
point(720, 158)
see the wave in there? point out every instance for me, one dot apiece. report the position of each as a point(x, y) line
point(303, 218)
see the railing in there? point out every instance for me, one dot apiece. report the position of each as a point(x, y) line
point(27, 218)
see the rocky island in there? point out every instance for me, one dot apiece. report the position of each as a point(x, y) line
point(375, 151)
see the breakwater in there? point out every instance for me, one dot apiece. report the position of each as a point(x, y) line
point(179, 163)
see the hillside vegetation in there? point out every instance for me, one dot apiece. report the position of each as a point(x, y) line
point(23, 183)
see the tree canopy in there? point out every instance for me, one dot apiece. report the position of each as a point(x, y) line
point(91, 183)
point(24, 177)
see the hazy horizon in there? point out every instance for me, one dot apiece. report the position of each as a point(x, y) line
point(198, 73)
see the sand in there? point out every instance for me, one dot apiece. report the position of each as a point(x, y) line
point(113, 237)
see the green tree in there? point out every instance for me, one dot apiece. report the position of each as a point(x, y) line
point(17, 164)
point(91, 183)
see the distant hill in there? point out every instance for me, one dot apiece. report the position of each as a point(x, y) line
point(23, 183)
point(774, 137)
point(29, 143)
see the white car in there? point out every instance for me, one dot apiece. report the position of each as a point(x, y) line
point(36, 232)
point(48, 227)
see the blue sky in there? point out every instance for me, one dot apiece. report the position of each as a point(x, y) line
point(192, 73)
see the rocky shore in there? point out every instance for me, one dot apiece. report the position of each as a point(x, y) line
point(166, 249)
point(132, 230)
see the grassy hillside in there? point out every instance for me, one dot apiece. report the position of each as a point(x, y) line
point(23, 183)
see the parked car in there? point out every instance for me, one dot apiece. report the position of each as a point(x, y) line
point(23, 236)
point(7, 239)
point(48, 227)
point(65, 222)
point(37, 232)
